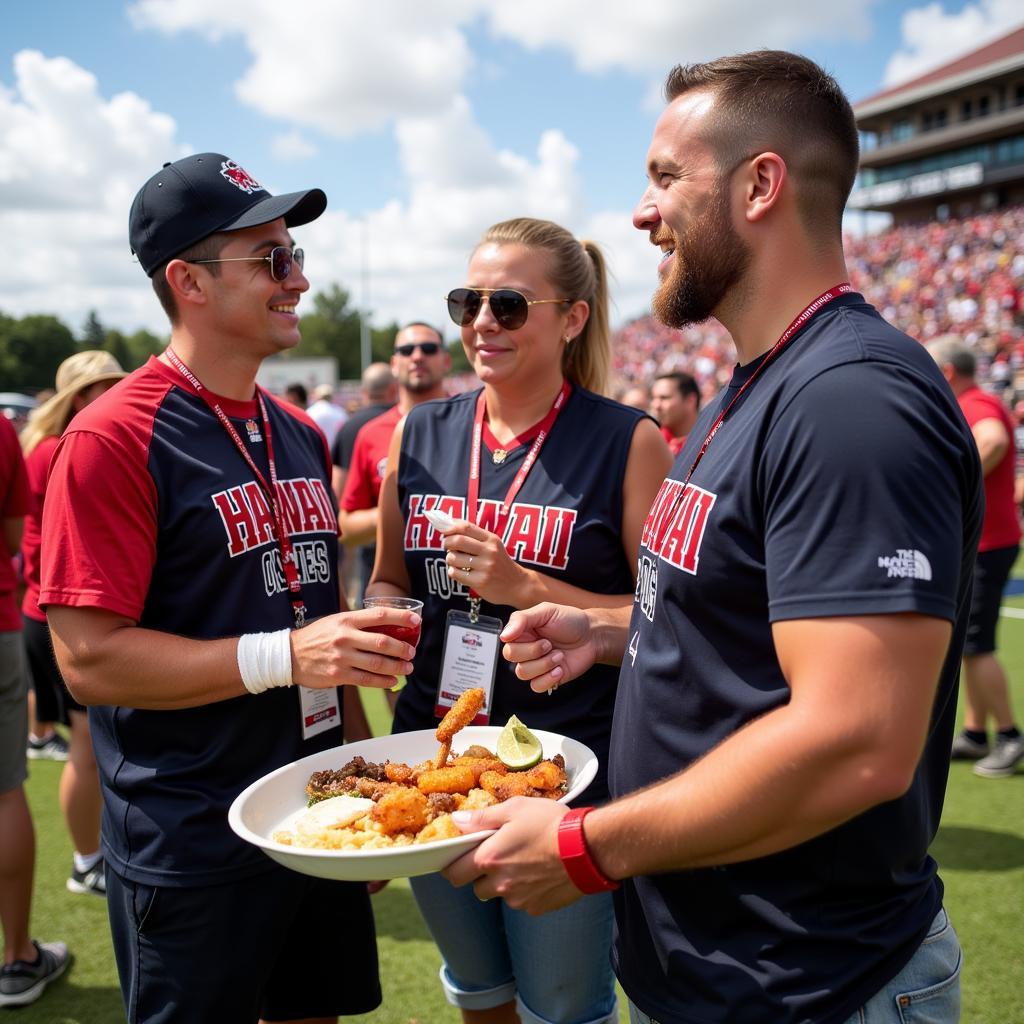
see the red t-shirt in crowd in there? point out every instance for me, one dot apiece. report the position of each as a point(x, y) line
point(675, 444)
point(37, 464)
point(14, 503)
point(369, 460)
point(1001, 528)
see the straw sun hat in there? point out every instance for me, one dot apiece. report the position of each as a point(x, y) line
point(74, 375)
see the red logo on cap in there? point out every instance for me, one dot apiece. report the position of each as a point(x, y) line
point(239, 177)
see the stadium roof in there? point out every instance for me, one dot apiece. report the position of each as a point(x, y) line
point(1003, 54)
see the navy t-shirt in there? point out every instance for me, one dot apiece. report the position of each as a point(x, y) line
point(152, 513)
point(844, 482)
point(565, 522)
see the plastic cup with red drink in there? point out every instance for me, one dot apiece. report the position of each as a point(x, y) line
point(410, 634)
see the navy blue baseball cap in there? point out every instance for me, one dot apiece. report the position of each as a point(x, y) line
point(190, 199)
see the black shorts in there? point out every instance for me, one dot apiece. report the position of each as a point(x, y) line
point(53, 701)
point(991, 571)
point(280, 945)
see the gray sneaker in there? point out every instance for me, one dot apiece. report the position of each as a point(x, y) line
point(22, 982)
point(92, 881)
point(52, 748)
point(1003, 761)
point(966, 749)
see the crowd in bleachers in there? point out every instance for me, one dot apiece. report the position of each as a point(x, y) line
point(963, 276)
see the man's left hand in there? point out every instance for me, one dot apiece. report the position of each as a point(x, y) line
point(520, 862)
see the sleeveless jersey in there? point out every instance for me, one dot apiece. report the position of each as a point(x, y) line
point(566, 522)
point(844, 482)
point(151, 513)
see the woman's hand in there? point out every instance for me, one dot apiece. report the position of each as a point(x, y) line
point(477, 559)
point(342, 649)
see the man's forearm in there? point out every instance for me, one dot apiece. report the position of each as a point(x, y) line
point(776, 783)
point(143, 668)
point(358, 527)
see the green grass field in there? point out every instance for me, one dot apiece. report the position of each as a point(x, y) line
point(980, 850)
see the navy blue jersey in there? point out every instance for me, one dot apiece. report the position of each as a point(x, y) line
point(565, 522)
point(844, 482)
point(152, 513)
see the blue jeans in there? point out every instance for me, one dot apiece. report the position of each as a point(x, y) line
point(926, 991)
point(556, 967)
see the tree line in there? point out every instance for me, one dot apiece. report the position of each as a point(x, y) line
point(32, 347)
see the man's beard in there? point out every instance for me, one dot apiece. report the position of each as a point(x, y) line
point(710, 258)
point(419, 384)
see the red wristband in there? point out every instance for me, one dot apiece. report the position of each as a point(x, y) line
point(579, 865)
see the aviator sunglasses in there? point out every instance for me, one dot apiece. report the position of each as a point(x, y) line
point(280, 259)
point(509, 307)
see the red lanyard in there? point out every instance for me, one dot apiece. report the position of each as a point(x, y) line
point(473, 489)
point(819, 303)
point(291, 573)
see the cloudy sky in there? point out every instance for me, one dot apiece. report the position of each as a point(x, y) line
point(423, 121)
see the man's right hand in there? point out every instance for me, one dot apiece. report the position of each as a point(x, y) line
point(342, 650)
point(549, 644)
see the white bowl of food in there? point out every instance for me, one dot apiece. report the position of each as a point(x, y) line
point(273, 811)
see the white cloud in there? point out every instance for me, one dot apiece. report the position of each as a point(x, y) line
point(72, 158)
point(406, 64)
point(649, 36)
point(345, 68)
point(931, 37)
point(292, 146)
point(70, 163)
point(416, 251)
point(341, 68)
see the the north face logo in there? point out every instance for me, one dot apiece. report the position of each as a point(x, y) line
point(240, 178)
point(906, 563)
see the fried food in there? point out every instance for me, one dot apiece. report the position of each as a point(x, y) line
point(546, 778)
point(546, 775)
point(402, 809)
point(460, 714)
point(452, 779)
point(504, 787)
point(479, 765)
point(405, 804)
point(442, 755)
point(397, 772)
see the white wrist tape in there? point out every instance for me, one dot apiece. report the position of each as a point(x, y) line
point(265, 660)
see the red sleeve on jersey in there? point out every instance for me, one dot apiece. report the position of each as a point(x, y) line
point(359, 493)
point(99, 526)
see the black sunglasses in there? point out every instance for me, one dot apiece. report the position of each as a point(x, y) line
point(428, 348)
point(509, 307)
point(280, 259)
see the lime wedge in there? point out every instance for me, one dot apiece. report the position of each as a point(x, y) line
point(517, 747)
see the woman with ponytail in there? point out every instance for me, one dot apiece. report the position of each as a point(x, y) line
point(549, 484)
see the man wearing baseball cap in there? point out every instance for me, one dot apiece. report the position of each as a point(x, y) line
point(190, 585)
